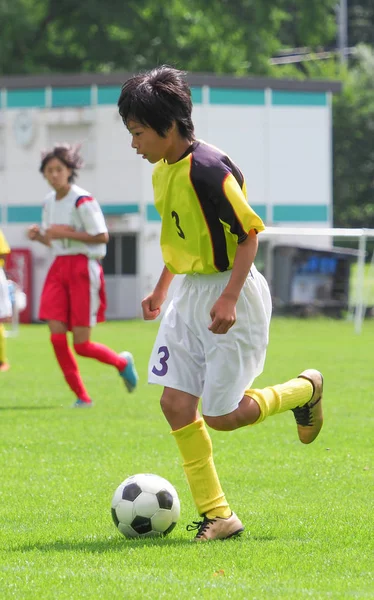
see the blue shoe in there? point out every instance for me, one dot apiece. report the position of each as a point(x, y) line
point(129, 374)
point(82, 404)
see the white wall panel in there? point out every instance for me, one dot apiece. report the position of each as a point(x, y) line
point(240, 131)
point(299, 155)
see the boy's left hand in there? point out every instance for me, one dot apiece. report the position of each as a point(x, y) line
point(223, 315)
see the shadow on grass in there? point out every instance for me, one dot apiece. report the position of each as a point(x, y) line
point(101, 546)
point(121, 545)
point(30, 407)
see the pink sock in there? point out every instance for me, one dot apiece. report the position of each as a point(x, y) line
point(101, 353)
point(69, 366)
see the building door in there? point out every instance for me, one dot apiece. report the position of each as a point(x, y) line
point(121, 276)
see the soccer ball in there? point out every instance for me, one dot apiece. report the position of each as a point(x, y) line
point(145, 505)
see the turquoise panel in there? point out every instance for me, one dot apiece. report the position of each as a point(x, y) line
point(26, 98)
point(152, 214)
point(20, 213)
point(119, 209)
point(30, 214)
point(71, 96)
point(260, 210)
point(282, 98)
point(108, 94)
point(244, 97)
point(197, 95)
point(290, 213)
point(316, 213)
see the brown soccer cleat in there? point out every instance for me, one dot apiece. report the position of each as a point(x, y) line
point(216, 529)
point(309, 417)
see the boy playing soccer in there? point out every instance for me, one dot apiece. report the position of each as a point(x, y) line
point(212, 339)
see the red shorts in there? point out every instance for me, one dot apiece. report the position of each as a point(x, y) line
point(74, 292)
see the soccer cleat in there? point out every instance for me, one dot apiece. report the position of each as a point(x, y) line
point(309, 417)
point(4, 367)
point(82, 403)
point(129, 374)
point(216, 528)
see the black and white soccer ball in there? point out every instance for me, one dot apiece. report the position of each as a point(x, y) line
point(145, 505)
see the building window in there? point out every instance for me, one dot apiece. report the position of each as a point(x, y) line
point(121, 255)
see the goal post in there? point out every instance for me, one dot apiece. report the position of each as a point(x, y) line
point(321, 239)
point(19, 302)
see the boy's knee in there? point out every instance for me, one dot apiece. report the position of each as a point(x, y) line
point(169, 401)
point(222, 423)
point(179, 408)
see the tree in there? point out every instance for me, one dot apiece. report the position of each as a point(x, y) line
point(361, 22)
point(353, 133)
point(354, 145)
point(311, 24)
point(219, 36)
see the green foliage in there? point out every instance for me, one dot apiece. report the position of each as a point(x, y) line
point(218, 36)
point(353, 145)
point(360, 22)
point(307, 509)
point(311, 24)
point(353, 132)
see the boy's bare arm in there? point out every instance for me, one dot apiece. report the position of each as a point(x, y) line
point(223, 312)
point(163, 284)
point(151, 305)
point(244, 258)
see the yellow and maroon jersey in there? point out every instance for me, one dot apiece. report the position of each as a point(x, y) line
point(205, 214)
point(4, 248)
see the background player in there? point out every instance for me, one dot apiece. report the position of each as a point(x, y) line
point(213, 337)
point(5, 303)
point(73, 297)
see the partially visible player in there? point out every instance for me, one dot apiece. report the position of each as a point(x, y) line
point(73, 297)
point(212, 340)
point(5, 303)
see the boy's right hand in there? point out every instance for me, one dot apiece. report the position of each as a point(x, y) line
point(33, 232)
point(148, 307)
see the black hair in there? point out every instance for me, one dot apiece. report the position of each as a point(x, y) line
point(67, 154)
point(156, 99)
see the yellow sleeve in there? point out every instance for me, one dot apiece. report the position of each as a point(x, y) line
point(4, 246)
point(245, 216)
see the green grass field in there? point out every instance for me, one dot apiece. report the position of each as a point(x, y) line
point(308, 510)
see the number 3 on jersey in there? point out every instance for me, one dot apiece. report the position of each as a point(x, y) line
point(163, 369)
point(179, 229)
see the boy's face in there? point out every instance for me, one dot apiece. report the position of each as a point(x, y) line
point(147, 142)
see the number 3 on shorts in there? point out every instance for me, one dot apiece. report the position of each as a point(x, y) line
point(161, 371)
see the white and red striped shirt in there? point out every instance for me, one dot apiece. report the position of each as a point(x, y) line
point(79, 210)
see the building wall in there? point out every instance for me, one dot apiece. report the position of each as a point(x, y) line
point(281, 140)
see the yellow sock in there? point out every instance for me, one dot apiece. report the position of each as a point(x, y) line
point(195, 447)
point(2, 344)
point(282, 397)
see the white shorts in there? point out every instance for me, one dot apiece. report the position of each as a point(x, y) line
point(218, 368)
point(5, 303)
